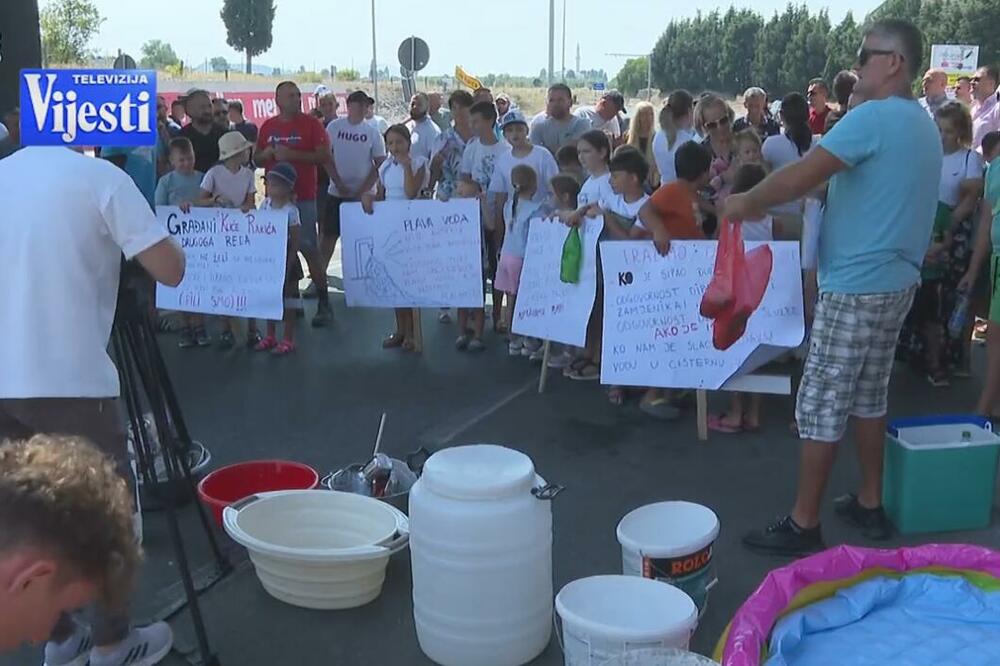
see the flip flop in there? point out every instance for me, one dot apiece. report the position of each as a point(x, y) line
point(660, 408)
point(616, 395)
point(717, 424)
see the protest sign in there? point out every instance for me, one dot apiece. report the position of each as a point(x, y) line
point(548, 308)
point(654, 334)
point(955, 59)
point(235, 261)
point(413, 254)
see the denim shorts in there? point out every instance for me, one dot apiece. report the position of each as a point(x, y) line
point(309, 216)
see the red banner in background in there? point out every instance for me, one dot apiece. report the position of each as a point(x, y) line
point(259, 106)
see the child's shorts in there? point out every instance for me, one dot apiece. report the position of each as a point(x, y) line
point(508, 273)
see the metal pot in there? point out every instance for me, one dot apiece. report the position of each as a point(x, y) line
point(352, 479)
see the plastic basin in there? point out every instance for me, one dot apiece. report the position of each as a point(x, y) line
point(232, 483)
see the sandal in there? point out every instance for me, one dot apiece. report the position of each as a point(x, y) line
point(575, 365)
point(616, 395)
point(717, 423)
point(164, 325)
point(589, 372)
point(660, 408)
point(283, 347)
point(394, 341)
point(266, 344)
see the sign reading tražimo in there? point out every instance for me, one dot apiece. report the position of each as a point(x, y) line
point(88, 107)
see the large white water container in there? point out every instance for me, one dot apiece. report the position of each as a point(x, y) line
point(481, 552)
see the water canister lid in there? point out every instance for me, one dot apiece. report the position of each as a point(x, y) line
point(479, 472)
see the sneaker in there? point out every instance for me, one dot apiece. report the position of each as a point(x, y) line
point(531, 346)
point(560, 361)
point(873, 523)
point(784, 537)
point(476, 345)
point(462, 343)
point(938, 380)
point(202, 338)
point(515, 346)
point(227, 340)
point(74, 651)
point(324, 315)
point(445, 316)
point(144, 646)
point(537, 356)
point(310, 291)
point(187, 340)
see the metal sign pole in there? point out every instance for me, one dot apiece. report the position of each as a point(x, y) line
point(374, 59)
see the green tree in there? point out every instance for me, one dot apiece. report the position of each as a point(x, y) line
point(632, 77)
point(739, 43)
point(842, 47)
point(805, 54)
point(249, 26)
point(348, 75)
point(157, 54)
point(67, 28)
point(981, 22)
point(219, 64)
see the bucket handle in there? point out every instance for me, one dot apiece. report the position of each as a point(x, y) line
point(413, 458)
point(399, 541)
point(548, 491)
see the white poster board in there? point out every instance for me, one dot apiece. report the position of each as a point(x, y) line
point(413, 254)
point(955, 59)
point(235, 261)
point(548, 308)
point(654, 334)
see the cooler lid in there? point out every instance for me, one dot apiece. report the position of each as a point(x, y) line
point(479, 472)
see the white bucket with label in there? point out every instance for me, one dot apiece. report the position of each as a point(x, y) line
point(608, 617)
point(671, 542)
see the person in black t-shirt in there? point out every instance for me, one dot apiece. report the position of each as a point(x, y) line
point(203, 133)
point(239, 121)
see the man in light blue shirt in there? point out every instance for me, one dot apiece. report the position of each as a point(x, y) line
point(883, 164)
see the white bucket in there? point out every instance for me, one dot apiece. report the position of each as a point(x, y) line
point(608, 617)
point(671, 542)
point(318, 548)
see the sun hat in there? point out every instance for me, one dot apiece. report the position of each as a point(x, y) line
point(232, 143)
point(283, 171)
point(511, 117)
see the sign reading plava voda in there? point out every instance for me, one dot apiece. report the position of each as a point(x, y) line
point(88, 107)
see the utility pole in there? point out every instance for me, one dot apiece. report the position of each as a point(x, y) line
point(374, 59)
point(552, 39)
point(563, 77)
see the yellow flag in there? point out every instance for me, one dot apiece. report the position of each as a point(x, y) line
point(467, 79)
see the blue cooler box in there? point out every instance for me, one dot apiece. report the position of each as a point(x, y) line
point(935, 482)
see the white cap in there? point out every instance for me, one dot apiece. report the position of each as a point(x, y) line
point(3, 132)
point(321, 90)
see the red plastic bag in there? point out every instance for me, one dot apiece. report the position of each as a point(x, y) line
point(745, 276)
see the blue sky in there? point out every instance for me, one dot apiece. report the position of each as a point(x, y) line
point(494, 36)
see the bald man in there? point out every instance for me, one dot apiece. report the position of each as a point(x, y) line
point(935, 86)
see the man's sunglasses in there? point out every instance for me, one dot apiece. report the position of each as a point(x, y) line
point(864, 55)
point(715, 124)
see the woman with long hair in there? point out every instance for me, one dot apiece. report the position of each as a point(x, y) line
point(795, 140)
point(676, 128)
point(640, 136)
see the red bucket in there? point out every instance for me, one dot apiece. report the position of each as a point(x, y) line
point(232, 483)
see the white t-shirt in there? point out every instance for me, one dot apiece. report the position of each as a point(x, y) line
point(379, 123)
point(355, 149)
point(294, 219)
point(960, 166)
point(393, 177)
point(538, 159)
point(759, 230)
point(595, 190)
point(422, 138)
point(479, 160)
point(664, 155)
point(630, 211)
point(780, 151)
point(611, 127)
point(233, 188)
point(78, 215)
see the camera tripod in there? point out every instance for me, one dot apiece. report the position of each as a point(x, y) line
point(147, 389)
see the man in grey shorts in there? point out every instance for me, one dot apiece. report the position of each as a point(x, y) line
point(883, 163)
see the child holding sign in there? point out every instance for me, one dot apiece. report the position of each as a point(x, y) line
point(280, 197)
point(230, 184)
point(517, 213)
point(401, 176)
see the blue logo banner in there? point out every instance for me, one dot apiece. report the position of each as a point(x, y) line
point(88, 107)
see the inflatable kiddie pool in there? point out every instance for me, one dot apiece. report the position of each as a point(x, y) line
point(926, 605)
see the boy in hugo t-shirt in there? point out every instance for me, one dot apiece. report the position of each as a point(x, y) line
point(299, 138)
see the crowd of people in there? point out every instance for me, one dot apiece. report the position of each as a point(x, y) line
point(902, 193)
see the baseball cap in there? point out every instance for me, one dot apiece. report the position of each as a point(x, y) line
point(511, 117)
point(283, 171)
point(358, 97)
point(321, 90)
point(616, 98)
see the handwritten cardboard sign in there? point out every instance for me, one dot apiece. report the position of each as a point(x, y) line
point(413, 254)
point(654, 334)
point(235, 262)
point(548, 308)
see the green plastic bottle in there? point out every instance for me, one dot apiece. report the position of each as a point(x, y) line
point(572, 257)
